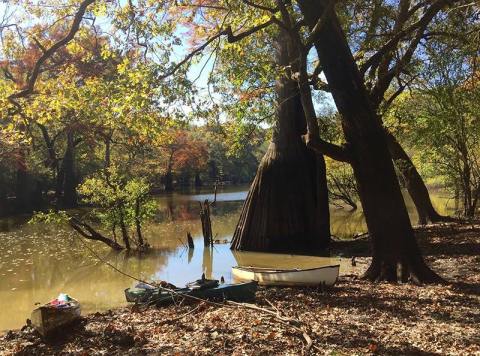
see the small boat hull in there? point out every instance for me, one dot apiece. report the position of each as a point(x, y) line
point(153, 296)
point(48, 319)
point(321, 276)
point(140, 295)
point(240, 292)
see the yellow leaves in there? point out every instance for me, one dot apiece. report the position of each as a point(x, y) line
point(262, 19)
point(106, 53)
point(123, 66)
point(74, 48)
point(99, 8)
point(9, 43)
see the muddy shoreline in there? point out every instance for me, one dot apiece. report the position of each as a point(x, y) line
point(354, 317)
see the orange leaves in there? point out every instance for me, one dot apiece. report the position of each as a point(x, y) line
point(200, 18)
point(252, 94)
point(191, 154)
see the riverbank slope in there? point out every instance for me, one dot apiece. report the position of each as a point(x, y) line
point(354, 317)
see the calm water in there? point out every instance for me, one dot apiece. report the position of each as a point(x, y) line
point(38, 262)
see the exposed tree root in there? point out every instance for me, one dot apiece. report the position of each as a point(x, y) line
point(415, 272)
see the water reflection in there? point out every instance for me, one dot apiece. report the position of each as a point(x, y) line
point(37, 262)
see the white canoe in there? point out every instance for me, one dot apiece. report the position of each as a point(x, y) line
point(325, 275)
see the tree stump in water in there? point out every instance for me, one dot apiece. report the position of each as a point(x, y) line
point(206, 223)
point(190, 240)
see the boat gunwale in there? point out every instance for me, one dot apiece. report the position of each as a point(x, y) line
point(268, 270)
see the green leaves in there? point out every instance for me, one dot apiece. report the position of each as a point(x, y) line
point(115, 196)
point(49, 217)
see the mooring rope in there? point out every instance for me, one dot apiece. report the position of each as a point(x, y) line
point(171, 291)
point(227, 304)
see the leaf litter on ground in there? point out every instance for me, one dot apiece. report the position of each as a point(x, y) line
point(354, 317)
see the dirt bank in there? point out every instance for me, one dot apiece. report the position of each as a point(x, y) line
point(355, 317)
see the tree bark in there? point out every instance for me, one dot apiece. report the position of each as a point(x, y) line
point(69, 177)
point(123, 228)
point(413, 182)
point(138, 224)
point(206, 223)
point(66, 184)
point(395, 251)
point(24, 192)
point(198, 180)
point(287, 206)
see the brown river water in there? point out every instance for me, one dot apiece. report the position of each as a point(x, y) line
point(37, 262)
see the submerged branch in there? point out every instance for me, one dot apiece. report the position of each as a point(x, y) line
point(90, 233)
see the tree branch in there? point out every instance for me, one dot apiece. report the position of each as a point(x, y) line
point(338, 153)
point(235, 38)
point(383, 82)
point(312, 37)
point(90, 233)
point(392, 43)
point(8, 74)
point(37, 42)
point(316, 82)
point(231, 38)
point(261, 7)
point(50, 51)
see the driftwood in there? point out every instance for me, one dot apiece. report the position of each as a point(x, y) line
point(295, 324)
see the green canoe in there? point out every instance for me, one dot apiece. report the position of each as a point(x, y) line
point(240, 292)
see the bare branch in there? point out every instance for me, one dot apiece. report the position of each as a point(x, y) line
point(392, 43)
point(39, 45)
point(316, 82)
point(385, 79)
point(191, 55)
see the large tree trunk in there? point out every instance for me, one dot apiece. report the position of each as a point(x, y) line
point(168, 181)
point(198, 180)
point(287, 205)
point(23, 182)
point(123, 228)
point(413, 182)
point(66, 184)
point(138, 223)
point(168, 177)
point(395, 250)
point(28, 190)
point(69, 177)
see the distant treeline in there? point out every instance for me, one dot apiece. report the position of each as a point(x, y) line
point(48, 172)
